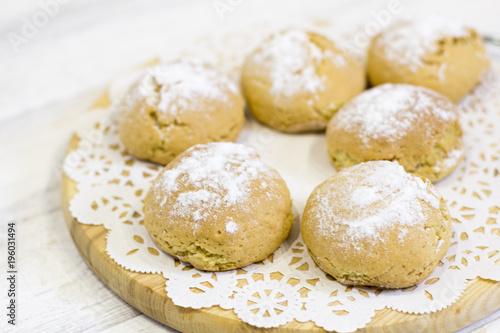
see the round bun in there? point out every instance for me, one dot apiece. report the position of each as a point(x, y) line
point(375, 225)
point(413, 125)
point(176, 106)
point(433, 52)
point(218, 207)
point(295, 81)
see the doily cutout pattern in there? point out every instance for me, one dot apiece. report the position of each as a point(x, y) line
point(111, 186)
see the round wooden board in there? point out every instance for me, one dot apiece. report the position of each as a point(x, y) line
point(146, 292)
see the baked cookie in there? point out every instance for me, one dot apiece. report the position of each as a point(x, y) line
point(218, 207)
point(295, 81)
point(413, 125)
point(433, 52)
point(373, 224)
point(178, 105)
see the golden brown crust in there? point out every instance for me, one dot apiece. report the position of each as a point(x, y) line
point(293, 107)
point(218, 237)
point(452, 69)
point(397, 256)
point(159, 136)
point(430, 146)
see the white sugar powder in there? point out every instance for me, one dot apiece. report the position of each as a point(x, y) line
point(364, 196)
point(337, 59)
point(450, 161)
point(174, 86)
point(291, 59)
point(231, 226)
point(441, 72)
point(197, 198)
point(216, 174)
point(388, 111)
point(438, 247)
point(408, 41)
point(375, 196)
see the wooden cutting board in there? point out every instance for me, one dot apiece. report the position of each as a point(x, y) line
point(146, 292)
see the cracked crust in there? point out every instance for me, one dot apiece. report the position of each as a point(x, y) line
point(159, 136)
point(453, 69)
point(302, 111)
point(432, 147)
point(386, 260)
point(263, 222)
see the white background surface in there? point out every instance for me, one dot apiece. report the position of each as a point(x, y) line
point(48, 82)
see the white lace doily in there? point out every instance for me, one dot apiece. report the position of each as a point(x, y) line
point(111, 186)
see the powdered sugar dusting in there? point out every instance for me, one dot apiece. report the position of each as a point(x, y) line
point(337, 59)
point(231, 226)
point(291, 58)
point(441, 72)
point(374, 196)
point(389, 110)
point(408, 41)
point(450, 161)
point(438, 247)
point(175, 86)
point(215, 174)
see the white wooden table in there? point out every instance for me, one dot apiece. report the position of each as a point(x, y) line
point(56, 57)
